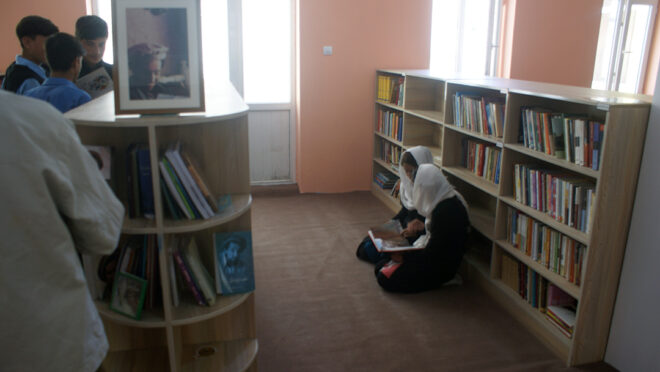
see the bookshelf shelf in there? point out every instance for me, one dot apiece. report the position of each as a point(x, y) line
point(189, 313)
point(240, 204)
point(429, 118)
point(388, 138)
point(571, 232)
point(217, 142)
point(558, 280)
point(588, 172)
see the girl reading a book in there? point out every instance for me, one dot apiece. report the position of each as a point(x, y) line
point(410, 220)
point(446, 222)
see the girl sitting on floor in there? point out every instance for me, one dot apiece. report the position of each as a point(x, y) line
point(410, 220)
point(447, 226)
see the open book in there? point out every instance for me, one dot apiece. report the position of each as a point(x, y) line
point(387, 237)
point(96, 83)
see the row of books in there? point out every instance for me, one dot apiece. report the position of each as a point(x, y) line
point(385, 180)
point(390, 154)
point(482, 159)
point(567, 199)
point(390, 123)
point(232, 268)
point(551, 249)
point(558, 306)
point(390, 89)
point(484, 115)
point(186, 195)
point(568, 137)
point(129, 278)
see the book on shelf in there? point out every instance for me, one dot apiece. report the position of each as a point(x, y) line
point(176, 189)
point(173, 154)
point(390, 89)
point(128, 295)
point(146, 194)
point(479, 114)
point(385, 180)
point(186, 273)
point(201, 276)
point(234, 267)
point(574, 138)
point(387, 238)
point(561, 310)
point(96, 83)
point(551, 249)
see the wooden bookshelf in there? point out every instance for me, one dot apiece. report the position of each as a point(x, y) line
point(169, 338)
point(625, 118)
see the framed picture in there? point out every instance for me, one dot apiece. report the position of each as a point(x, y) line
point(128, 294)
point(158, 56)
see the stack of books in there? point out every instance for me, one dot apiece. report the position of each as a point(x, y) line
point(385, 180)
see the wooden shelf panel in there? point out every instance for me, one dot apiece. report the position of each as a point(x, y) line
point(137, 226)
point(483, 220)
point(149, 319)
point(139, 360)
point(554, 160)
point(571, 232)
point(492, 139)
point(385, 197)
point(476, 181)
point(240, 203)
point(437, 117)
point(390, 105)
point(556, 279)
point(230, 356)
point(187, 313)
point(388, 138)
point(387, 166)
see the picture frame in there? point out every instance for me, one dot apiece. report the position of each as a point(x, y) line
point(157, 56)
point(128, 293)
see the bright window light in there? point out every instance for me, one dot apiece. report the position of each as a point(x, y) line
point(459, 36)
point(267, 51)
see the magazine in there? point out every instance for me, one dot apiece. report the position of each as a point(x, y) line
point(96, 83)
point(387, 237)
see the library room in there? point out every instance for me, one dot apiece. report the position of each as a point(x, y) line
point(294, 185)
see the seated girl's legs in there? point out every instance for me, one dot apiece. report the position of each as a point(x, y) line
point(366, 251)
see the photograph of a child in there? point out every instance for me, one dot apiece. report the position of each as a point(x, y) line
point(128, 295)
point(157, 53)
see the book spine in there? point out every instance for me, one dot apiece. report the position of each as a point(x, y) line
point(144, 181)
point(187, 277)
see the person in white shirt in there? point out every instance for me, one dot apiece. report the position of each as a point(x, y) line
point(55, 204)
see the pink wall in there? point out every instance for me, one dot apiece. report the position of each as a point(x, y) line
point(63, 13)
point(336, 93)
point(553, 41)
point(654, 59)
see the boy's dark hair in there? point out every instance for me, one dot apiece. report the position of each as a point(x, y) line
point(91, 27)
point(33, 25)
point(61, 50)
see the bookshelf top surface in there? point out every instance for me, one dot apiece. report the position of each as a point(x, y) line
point(549, 90)
point(222, 102)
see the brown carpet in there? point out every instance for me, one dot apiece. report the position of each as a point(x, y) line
point(318, 308)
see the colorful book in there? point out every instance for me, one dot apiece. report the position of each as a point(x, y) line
point(201, 276)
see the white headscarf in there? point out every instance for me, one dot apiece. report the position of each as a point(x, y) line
point(431, 187)
point(422, 155)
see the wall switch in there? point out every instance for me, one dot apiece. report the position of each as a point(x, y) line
point(327, 50)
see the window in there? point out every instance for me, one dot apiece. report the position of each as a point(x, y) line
point(267, 51)
point(464, 36)
point(623, 44)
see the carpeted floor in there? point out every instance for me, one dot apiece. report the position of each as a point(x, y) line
point(318, 308)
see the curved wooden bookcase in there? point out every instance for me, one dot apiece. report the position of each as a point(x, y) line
point(187, 337)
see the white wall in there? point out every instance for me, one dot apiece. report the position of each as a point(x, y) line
point(634, 343)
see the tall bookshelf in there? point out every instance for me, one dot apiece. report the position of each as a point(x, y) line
point(186, 337)
point(429, 117)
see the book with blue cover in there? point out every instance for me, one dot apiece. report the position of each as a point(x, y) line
point(234, 268)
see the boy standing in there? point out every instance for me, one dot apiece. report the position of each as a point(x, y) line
point(92, 31)
point(26, 73)
point(64, 54)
